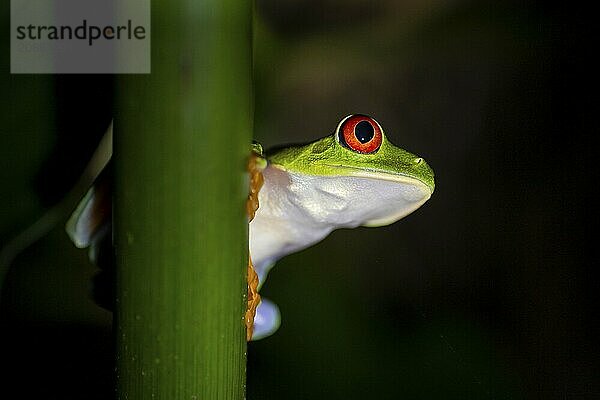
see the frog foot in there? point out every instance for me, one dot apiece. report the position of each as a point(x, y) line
point(256, 164)
point(253, 300)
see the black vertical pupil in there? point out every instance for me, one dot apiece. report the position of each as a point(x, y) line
point(364, 132)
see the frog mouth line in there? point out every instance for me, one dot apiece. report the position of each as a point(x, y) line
point(383, 174)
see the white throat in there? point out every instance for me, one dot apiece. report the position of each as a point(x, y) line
point(298, 210)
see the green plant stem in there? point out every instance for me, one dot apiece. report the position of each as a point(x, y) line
point(182, 137)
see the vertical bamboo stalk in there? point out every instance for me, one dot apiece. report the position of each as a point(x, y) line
point(182, 137)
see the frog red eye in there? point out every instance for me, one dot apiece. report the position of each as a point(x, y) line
point(360, 133)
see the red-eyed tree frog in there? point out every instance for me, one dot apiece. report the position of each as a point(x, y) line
point(354, 177)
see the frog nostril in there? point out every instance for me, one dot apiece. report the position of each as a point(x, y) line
point(418, 160)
